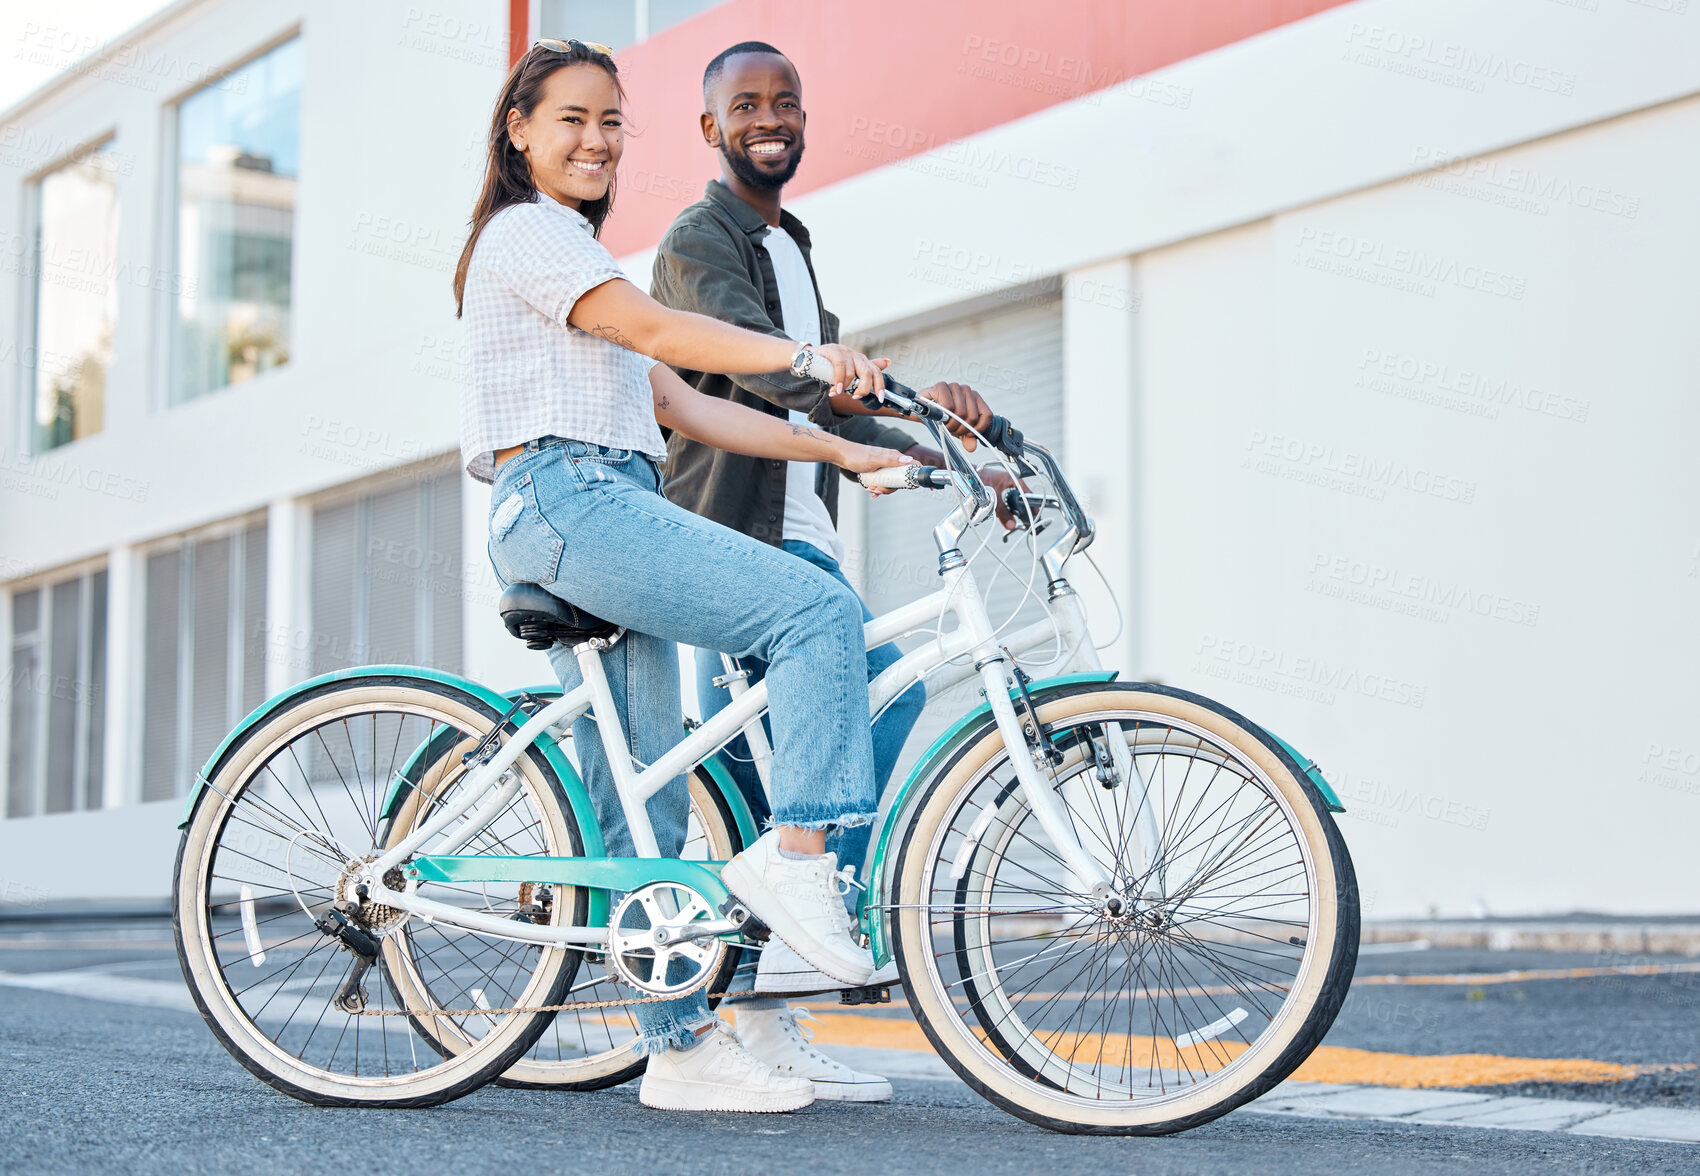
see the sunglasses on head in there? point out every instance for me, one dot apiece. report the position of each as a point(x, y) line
point(555, 45)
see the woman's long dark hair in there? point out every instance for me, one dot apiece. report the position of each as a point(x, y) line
point(507, 179)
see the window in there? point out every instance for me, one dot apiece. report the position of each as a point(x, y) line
point(616, 23)
point(237, 166)
point(388, 586)
point(76, 295)
point(203, 658)
point(58, 697)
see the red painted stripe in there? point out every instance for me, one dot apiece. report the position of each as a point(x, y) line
point(519, 30)
point(887, 79)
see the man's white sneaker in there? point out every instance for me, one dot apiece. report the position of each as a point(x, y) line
point(800, 899)
point(777, 1038)
point(782, 972)
point(719, 1074)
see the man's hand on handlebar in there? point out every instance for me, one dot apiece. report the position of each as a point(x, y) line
point(998, 480)
point(964, 402)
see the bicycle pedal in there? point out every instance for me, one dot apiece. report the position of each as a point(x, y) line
point(752, 928)
point(871, 994)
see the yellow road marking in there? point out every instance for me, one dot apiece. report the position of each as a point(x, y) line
point(1329, 1063)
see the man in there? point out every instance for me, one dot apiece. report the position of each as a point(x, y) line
point(738, 256)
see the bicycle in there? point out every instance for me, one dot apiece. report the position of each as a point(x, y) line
point(1116, 908)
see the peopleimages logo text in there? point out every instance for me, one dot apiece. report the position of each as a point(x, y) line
point(1373, 472)
point(1417, 264)
point(1462, 60)
point(1313, 678)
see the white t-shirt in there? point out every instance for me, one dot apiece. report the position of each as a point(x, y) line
point(806, 517)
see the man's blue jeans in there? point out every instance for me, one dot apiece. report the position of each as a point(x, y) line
point(588, 523)
point(891, 729)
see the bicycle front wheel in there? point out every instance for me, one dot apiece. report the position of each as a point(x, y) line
point(331, 998)
point(1216, 971)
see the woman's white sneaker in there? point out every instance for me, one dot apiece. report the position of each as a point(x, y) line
point(777, 1038)
point(719, 1074)
point(782, 972)
point(801, 902)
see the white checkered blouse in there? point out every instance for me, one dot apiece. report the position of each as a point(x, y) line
point(533, 374)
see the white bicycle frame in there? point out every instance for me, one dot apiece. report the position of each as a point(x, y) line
point(970, 648)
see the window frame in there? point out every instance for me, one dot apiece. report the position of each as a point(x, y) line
point(359, 494)
point(29, 293)
point(84, 572)
point(233, 529)
point(164, 326)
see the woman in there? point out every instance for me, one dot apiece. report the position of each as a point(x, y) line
point(569, 383)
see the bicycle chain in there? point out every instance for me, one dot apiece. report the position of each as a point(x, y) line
point(568, 1006)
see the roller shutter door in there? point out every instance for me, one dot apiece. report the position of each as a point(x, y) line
point(1012, 357)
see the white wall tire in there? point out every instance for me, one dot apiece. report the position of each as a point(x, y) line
point(227, 832)
point(999, 1046)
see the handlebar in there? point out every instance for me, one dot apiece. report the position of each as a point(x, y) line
point(1027, 458)
point(905, 477)
point(1004, 436)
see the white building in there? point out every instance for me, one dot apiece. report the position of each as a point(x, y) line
point(1369, 335)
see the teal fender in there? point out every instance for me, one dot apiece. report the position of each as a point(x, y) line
point(1312, 773)
point(715, 766)
point(578, 799)
point(970, 726)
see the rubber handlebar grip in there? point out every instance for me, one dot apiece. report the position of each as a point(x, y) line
point(903, 477)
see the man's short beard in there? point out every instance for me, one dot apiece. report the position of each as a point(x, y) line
point(744, 168)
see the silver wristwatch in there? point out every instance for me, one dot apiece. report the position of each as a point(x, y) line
point(802, 359)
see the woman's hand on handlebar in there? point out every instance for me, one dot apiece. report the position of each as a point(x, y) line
point(859, 459)
point(966, 403)
point(849, 364)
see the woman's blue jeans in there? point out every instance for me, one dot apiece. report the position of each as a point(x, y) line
point(588, 523)
point(890, 731)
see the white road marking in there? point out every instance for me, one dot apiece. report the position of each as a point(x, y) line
point(95, 985)
point(1368, 949)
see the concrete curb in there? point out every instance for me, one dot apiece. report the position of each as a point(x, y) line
point(1596, 935)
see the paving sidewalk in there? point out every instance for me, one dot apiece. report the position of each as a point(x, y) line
point(1625, 935)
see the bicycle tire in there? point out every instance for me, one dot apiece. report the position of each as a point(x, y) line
point(241, 779)
point(978, 1021)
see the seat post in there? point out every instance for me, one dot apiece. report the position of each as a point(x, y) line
point(607, 716)
point(736, 680)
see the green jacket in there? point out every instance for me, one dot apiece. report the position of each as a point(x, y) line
point(711, 262)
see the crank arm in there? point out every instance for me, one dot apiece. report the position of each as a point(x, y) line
point(712, 929)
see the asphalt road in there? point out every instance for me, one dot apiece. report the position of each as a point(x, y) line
point(100, 1086)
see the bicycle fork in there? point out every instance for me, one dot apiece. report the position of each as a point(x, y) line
point(1040, 795)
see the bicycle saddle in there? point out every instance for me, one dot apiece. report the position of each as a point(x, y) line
point(540, 618)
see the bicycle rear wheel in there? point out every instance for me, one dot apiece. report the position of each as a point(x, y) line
point(287, 967)
point(1224, 966)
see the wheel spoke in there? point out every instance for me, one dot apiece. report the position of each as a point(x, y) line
point(1154, 998)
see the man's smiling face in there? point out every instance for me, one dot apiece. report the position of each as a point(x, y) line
point(755, 118)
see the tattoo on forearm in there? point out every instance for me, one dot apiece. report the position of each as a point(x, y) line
point(613, 335)
point(805, 431)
